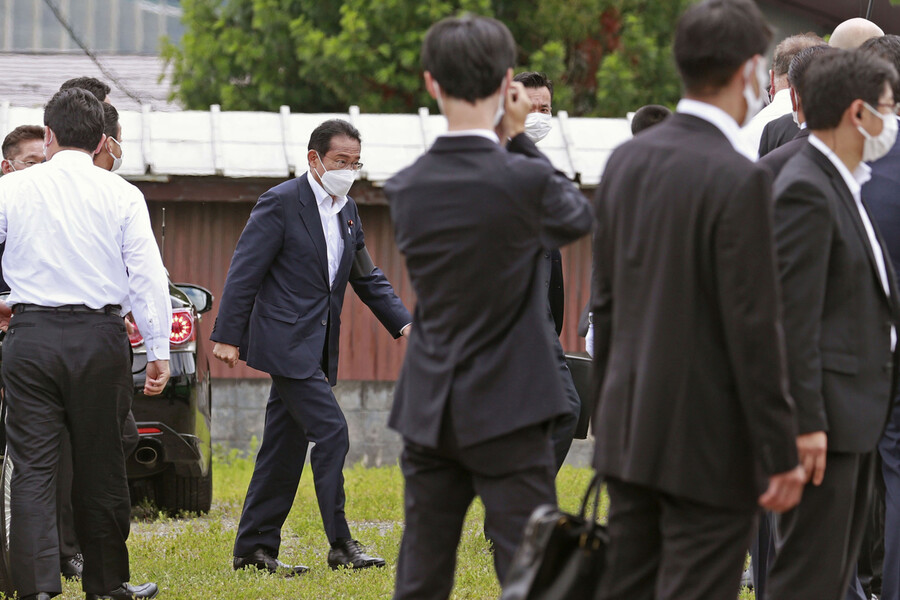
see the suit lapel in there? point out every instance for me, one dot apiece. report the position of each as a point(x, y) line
point(345, 216)
point(309, 214)
point(849, 204)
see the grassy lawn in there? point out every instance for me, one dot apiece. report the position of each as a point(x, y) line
point(190, 558)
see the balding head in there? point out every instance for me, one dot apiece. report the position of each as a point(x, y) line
point(785, 52)
point(850, 34)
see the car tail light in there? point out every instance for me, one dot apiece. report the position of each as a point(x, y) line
point(182, 329)
point(182, 326)
point(148, 430)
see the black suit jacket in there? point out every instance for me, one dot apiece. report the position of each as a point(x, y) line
point(556, 294)
point(277, 305)
point(472, 220)
point(776, 133)
point(688, 347)
point(882, 197)
point(777, 158)
point(837, 317)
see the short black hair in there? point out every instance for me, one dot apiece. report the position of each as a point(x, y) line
point(834, 80)
point(76, 118)
point(110, 121)
point(468, 56)
point(535, 80)
point(648, 116)
point(320, 138)
point(714, 38)
point(22, 133)
point(91, 84)
point(886, 47)
point(801, 62)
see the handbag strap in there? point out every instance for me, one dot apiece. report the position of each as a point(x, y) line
point(593, 490)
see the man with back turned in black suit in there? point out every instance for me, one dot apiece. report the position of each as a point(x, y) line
point(840, 310)
point(280, 311)
point(480, 385)
point(694, 425)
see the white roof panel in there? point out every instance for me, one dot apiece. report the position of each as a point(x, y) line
point(273, 145)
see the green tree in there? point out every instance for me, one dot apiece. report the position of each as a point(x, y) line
point(604, 56)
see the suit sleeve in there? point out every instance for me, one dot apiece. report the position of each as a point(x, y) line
point(803, 230)
point(256, 249)
point(378, 294)
point(750, 311)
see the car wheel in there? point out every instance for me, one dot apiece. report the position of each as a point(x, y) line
point(5, 478)
point(176, 494)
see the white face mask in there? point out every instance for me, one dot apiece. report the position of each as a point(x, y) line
point(877, 146)
point(537, 126)
point(755, 101)
point(336, 182)
point(117, 160)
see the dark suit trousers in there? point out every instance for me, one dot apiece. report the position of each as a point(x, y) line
point(564, 426)
point(67, 371)
point(889, 448)
point(299, 411)
point(512, 474)
point(665, 547)
point(819, 540)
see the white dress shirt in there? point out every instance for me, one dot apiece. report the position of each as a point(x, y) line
point(331, 225)
point(854, 182)
point(485, 133)
point(722, 121)
point(778, 107)
point(78, 234)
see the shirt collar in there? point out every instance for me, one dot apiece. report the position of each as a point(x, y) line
point(720, 119)
point(72, 157)
point(855, 180)
point(323, 198)
point(485, 133)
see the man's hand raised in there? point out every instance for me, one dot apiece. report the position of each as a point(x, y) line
point(516, 108)
point(785, 490)
point(227, 353)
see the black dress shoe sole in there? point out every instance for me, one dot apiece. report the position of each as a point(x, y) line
point(100, 597)
point(287, 572)
point(351, 567)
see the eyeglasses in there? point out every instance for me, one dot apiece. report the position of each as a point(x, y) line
point(343, 164)
point(27, 163)
point(895, 108)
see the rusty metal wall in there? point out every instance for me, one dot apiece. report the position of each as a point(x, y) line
point(204, 221)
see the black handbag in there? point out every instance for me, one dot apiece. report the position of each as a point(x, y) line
point(561, 555)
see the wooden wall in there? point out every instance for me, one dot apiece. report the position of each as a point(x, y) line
point(205, 216)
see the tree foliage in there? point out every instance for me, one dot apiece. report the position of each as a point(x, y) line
point(605, 56)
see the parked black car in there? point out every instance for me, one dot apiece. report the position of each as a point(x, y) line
point(172, 465)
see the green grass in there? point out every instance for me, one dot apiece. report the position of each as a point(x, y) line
point(190, 558)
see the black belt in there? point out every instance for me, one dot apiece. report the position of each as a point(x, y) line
point(69, 309)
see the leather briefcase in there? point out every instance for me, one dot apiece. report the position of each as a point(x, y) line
point(561, 556)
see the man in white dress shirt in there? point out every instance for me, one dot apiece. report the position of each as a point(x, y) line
point(779, 87)
point(79, 254)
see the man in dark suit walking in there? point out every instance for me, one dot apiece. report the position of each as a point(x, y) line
point(840, 307)
point(694, 426)
point(280, 311)
point(481, 384)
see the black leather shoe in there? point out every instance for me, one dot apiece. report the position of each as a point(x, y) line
point(264, 561)
point(127, 592)
point(350, 554)
point(71, 567)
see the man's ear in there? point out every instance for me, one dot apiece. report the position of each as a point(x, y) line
point(311, 157)
point(430, 84)
point(99, 147)
point(771, 82)
point(48, 136)
point(795, 103)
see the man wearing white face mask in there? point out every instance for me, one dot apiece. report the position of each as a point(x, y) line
point(840, 306)
point(111, 152)
point(694, 427)
point(280, 311)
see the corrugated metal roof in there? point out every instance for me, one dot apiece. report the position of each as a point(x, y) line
point(259, 144)
point(31, 79)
